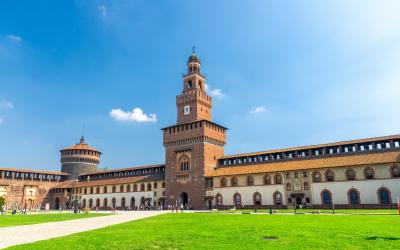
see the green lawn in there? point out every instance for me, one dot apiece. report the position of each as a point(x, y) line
point(337, 211)
point(20, 219)
point(237, 231)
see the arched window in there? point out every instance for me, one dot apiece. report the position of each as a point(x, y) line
point(128, 188)
point(200, 85)
point(123, 202)
point(267, 179)
point(395, 172)
point(223, 182)
point(184, 161)
point(90, 203)
point(350, 175)
point(121, 188)
point(97, 190)
point(250, 181)
point(369, 173)
point(135, 188)
point(277, 198)
point(190, 84)
point(97, 202)
point(142, 187)
point(84, 203)
point(91, 190)
point(278, 179)
point(354, 197)
point(218, 200)
point(114, 189)
point(384, 196)
point(257, 199)
point(306, 186)
point(326, 197)
point(148, 186)
point(114, 202)
point(288, 187)
point(237, 200)
point(105, 189)
point(316, 176)
point(329, 175)
point(105, 203)
point(234, 182)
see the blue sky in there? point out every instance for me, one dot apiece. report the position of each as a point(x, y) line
point(282, 74)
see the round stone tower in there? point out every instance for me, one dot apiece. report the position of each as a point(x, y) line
point(79, 159)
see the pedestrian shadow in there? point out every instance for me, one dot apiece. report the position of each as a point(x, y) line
point(381, 238)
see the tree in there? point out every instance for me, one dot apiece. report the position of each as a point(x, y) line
point(2, 201)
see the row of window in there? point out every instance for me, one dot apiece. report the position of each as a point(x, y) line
point(311, 152)
point(384, 197)
point(115, 174)
point(369, 173)
point(353, 195)
point(142, 188)
point(123, 203)
point(237, 199)
point(250, 180)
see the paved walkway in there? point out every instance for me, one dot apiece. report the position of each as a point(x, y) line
point(10, 236)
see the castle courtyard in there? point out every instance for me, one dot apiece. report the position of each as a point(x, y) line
point(214, 231)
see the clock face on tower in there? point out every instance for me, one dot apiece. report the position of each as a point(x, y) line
point(186, 110)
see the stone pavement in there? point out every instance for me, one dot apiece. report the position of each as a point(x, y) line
point(10, 236)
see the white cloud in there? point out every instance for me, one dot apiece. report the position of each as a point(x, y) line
point(214, 92)
point(6, 104)
point(102, 10)
point(14, 38)
point(136, 115)
point(258, 110)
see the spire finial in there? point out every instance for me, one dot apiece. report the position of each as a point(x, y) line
point(82, 141)
point(193, 50)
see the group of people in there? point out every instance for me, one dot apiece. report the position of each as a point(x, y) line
point(176, 208)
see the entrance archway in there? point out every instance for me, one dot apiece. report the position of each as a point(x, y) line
point(298, 201)
point(184, 199)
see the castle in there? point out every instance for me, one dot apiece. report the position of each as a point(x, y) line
point(361, 173)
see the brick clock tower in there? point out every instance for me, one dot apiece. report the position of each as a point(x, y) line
point(193, 144)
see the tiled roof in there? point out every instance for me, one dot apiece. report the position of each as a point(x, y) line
point(81, 145)
point(32, 171)
point(114, 181)
point(382, 138)
point(309, 163)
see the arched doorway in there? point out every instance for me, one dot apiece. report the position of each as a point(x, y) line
point(133, 203)
point(184, 199)
point(123, 203)
point(298, 201)
point(142, 202)
point(57, 203)
point(114, 203)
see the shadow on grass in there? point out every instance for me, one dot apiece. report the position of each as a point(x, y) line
point(381, 238)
